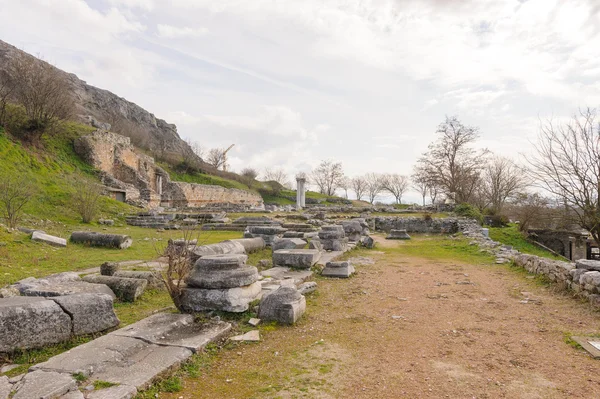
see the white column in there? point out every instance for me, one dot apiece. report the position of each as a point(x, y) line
point(300, 193)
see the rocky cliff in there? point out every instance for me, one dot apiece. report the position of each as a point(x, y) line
point(101, 108)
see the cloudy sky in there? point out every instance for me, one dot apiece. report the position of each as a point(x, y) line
point(364, 82)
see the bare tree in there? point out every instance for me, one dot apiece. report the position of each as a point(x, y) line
point(15, 193)
point(7, 88)
point(278, 175)
point(502, 179)
point(179, 266)
point(359, 186)
point(328, 177)
point(567, 165)
point(395, 184)
point(373, 186)
point(249, 176)
point(86, 198)
point(197, 148)
point(345, 184)
point(529, 208)
point(44, 92)
point(451, 163)
point(216, 157)
point(421, 183)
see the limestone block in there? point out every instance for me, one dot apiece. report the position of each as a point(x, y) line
point(225, 247)
point(126, 289)
point(27, 322)
point(48, 239)
point(298, 258)
point(73, 395)
point(221, 279)
point(250, 244)
point(5, 387)
point(109, 268)
point(59, 285)
point(338, 269)
point(235, 300)
point(266, 230)
point(95, 239)
point(89, 313)
point(315, 243)
point(591, 279)
point(154, 279)
point(45, 385)
point(588, 264)
point(288, 243)
point(307, 288)
point(335, 244)
point(220, 262)
point(116, 392)
point(367, 242)
point(284, 305)
point(398, 235)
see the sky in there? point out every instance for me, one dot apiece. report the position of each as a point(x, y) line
point(362, 82)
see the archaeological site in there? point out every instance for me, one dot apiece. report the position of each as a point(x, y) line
point(373, 199)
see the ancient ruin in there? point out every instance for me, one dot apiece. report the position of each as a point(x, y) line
point(134, 177)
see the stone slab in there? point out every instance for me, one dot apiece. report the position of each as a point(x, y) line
point(288, 243)
point(329, 257)
point(586, 343)
point(250, 336)
point(116, 392)
point(398, 235)
point(338, 270)
point(285, 305)
point(39, 236)
point(235, 300)
point(73, 395)
point(285, 273)
point(589, 264)
point(144, 366)
point(45, 385)
point(27, 322)
point(298, 258)
point(5, 387)
point(59, 285)
point(307, 288)
point(89, 313)
point(175, 329)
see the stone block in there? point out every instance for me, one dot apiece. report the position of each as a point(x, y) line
point(235, 300)
point(284, 305)
point(307, 288)
point(220, 262)
point(39, 236)
point(298, 258)
point(73, 395)
point(45, 385)
point(153, 278)
point(398, 235)
point(288, 243)
point(5, 387)
point(367, 242)
point(116, 392)
point(59, 285)
point(588, 264)
point(27, 322)
point(126, 289)
point(250, 244)
point(109, 268)
point(90, 313)
point(338, 269)
point(335, 244)
point(315, 243)
point(223, 279)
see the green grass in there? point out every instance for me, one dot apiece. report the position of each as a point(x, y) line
point(512, 236)
point(201, 178)
point(437, 247)
point(21, 257)
point(103, 385)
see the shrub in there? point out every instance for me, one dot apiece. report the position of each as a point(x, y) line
point(468, 211)
point(15, 193)
point(86, 197)
point(496, 221)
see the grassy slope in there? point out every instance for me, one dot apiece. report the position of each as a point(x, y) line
point(512, 236)
point(201, 178)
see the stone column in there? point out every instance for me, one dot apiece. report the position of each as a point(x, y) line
point(159, 184)
point(300, 193)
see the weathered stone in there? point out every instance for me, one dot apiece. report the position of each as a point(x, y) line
point(266, 230)
point(288, 243)
point(254, 322)
point(45, 385)
point(221, 279)
point(8, 292)
point(367, 242)
point(299, 258)
point(315, 243)
point(174, 329)
point(588, 264)
point(27, 322)
point(116, 392)
point(398, 235)
point(226, 247)
point(250, 244)
point(576, 275)
point(338, 269)
point(106, 222)
point(90, 313)
point(95, 239)
point(153, 278)
point(284, 305)
point(331, 235)
point(59, 285)
point(335, 244)
point(38, 236)
point(235, 300)
point(73, 395)
point(109, 268)
point(5, 387)
point(126, 289)
point(250, 336)
point(220, 262)
point(285, 273)
point(307, 288)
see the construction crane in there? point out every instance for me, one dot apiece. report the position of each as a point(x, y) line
point(225, 157)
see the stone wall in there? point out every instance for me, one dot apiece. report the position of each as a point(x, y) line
point(418, 224)
point(144, 183)
point(570, 244)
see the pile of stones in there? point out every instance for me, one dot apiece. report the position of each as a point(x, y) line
point(267, 233)
point(333, 238)
point(151, 220)
point(221, 282)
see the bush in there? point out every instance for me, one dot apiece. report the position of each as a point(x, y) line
point(496, 221)
point(469, 211)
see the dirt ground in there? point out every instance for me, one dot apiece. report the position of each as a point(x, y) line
point(406, 327)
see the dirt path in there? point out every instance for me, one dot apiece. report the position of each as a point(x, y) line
point(413, 328)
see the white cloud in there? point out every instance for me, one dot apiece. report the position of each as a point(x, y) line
point(147, 5)
point(174, 32)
